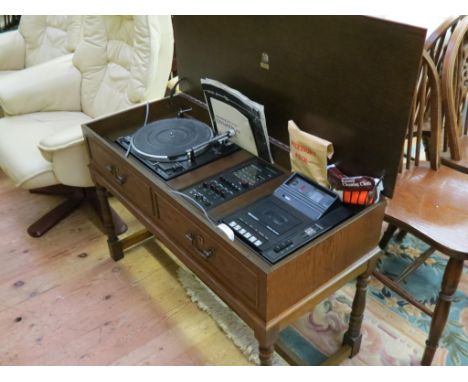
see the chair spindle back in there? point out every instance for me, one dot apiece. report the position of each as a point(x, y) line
point(426, 102)
point(455, 88)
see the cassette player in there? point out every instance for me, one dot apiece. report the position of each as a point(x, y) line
point(297, 212)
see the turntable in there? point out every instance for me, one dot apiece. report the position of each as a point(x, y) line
point(173, 146)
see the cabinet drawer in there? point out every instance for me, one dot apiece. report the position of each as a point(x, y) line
point(207, 251)
point(121, 177)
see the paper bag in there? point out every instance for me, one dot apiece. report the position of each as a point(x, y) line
point(309, 154)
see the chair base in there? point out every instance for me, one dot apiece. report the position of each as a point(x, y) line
point(75, 197)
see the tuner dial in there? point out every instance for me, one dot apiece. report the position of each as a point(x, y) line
point(245, 184)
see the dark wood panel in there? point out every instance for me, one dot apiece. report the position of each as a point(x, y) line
point(321, 260)
point(160, 187)
point(254, 317)
point(122, 176)
point(222, 262)
point(348, 79)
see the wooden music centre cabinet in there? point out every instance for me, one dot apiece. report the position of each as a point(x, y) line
point(267, 297)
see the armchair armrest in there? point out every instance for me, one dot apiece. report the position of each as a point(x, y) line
point(63, 139)
point(12, 51)
point(67, 152)
point(52, 86)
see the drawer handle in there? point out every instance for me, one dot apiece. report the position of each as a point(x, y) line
point(121, 179)
point(194, 240)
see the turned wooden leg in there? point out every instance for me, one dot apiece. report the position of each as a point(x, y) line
point(387, 235)
point(266, 343)
point(119, 224)
point(400, 236)
point(452, 276)
point(115, 246)
point(353, 336)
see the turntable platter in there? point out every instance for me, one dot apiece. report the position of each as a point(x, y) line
point(170, 139)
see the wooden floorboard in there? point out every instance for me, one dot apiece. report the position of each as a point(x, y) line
point(63, 301)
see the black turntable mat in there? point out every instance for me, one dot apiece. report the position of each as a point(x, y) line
point(168, 139)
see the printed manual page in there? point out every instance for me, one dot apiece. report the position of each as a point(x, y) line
point(230, 109)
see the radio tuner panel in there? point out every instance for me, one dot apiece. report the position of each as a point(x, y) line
point(231, 183)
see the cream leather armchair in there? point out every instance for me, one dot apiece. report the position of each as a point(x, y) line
point(121, 61)
point(38, 39)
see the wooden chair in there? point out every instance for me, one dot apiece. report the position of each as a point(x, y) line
point(430, 202)
point(436, 44)
point(454, 84)
point(9, 22)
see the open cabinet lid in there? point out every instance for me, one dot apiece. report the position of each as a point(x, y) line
point(347, 79)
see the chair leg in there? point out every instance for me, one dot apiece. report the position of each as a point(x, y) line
point(452, 276)
point(400, 236)
point(52, 218)
point(387, 236)
point(75, 197)
point(57, 189)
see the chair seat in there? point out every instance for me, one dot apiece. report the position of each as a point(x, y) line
point(20, 135)
point(462, 164)
point(4, 73)
point(434, 206)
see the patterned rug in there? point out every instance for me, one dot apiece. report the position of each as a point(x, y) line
point(394, 332)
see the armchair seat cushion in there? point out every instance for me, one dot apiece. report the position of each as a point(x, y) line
point(20, 135)
point(4, 73)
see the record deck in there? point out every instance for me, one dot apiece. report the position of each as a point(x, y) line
point(173, 146)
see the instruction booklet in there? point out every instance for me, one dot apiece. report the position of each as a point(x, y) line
point(231, 110)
